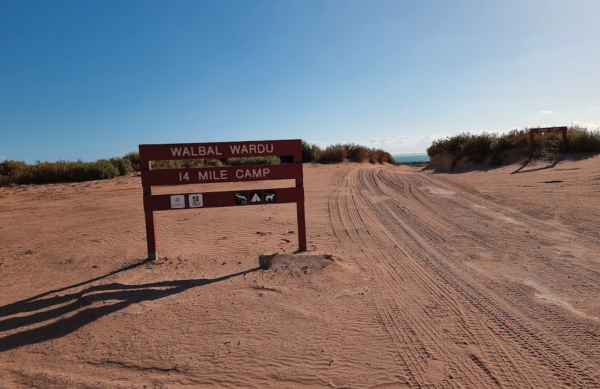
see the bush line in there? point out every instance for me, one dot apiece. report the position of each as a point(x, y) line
point(477, 148)
point(21, 173)
point(345, 152)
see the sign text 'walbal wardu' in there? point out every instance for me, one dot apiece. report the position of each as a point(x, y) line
point(184, 176)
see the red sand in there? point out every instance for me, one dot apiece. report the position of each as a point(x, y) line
point(480, 279)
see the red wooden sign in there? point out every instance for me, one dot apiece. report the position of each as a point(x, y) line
point(534, 131)
point(222, 150)
point(163, 177)
point(220, 174)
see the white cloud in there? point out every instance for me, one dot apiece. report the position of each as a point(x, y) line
point(593, 125)
point(3, 157)
point(547, 112)
point(594, 108)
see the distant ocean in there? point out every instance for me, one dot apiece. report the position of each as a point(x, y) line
point(411, 158)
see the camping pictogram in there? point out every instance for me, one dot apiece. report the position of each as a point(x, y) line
point(256, 197)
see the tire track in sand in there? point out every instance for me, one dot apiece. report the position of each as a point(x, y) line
point(435, 309)
point(578, 334)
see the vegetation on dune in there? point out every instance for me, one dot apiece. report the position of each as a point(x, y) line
point(345, 152)
point(477, 148)
point(583, 140)
point(22, 173)
point(310, 153)
point(196, 163)
point(332, 154)
point(252, 161)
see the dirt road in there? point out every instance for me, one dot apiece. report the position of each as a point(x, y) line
point(412, 279)
point(456, 273)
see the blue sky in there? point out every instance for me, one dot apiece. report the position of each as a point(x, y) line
point(92, 79)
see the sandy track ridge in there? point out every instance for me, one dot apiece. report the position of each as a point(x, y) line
point(503, 344)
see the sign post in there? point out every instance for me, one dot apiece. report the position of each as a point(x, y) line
point(534, 131)
point(185, 176)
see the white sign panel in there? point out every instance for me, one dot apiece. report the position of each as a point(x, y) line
point(177, 201)
point(196, 200)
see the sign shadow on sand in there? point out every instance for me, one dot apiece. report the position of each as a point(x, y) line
point(82, 306)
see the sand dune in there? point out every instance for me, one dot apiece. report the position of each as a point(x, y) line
point(412, 279)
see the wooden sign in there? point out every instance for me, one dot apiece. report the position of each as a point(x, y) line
point(169, 152)
point(220, 174)
point(542, 130)
point(168, 177)
point(547, 129)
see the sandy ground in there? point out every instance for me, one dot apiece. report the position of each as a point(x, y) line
point(412, 279)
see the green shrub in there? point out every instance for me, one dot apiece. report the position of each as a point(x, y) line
point(316, 152)
point(502, 144)
point(123, 164)
point(373, 157)
point(541, 153)
point(437, 147)
point(22, 173)
point(385, 157)
point(167, 164)
point(193, 163)
point(134, 159)
point(310, 153)
point(44, 172)
point(213, 162)
point(252, 161)
point(457, 143)
point(333, 154)
point(477, 148)
point(358, 153)
point(520, 137)
point(355, 153)
point(9, 166)
point(584, 140)
point(14, 172)
point(98, 170)
point(187, 163)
